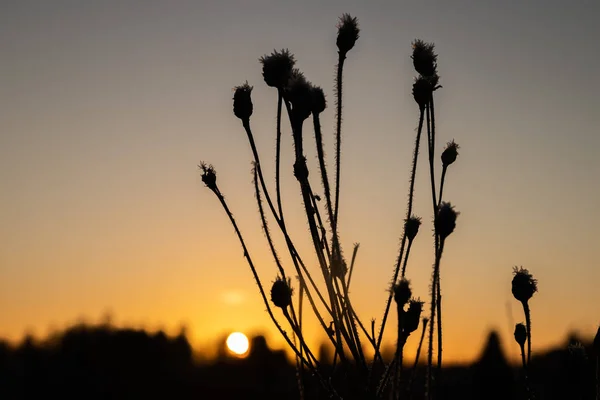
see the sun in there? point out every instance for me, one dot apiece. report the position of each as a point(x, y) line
point(237, 343)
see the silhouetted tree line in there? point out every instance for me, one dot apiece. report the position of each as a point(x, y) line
point(103, 362)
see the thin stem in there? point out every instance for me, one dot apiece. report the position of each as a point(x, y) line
point(528, 323)
point(408, 214)
point(323, 168)
point(278, 154)
point(443, 178)
point(434, 299)
point(410, 242)
point(439, 329)
point(354, 251)
point(431, 139)
point(338, 133)
point(526, 372)
point(399, 353)
point(414, 369)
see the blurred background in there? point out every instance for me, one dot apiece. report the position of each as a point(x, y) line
point(106, 108)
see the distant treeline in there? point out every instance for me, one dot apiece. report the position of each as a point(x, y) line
point(103, 362)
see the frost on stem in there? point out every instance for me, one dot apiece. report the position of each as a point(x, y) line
point(242, 103)
point(277, 68)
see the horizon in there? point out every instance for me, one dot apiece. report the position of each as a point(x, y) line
point(107, 109)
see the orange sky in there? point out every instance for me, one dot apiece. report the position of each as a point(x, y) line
point(106, 109)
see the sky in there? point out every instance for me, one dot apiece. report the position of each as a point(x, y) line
point(106, 109)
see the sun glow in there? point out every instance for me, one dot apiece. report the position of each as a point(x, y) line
point(237, 343)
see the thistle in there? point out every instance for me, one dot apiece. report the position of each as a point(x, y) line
point(277, 68)
point(242, 103)
point(281, 293)
point(523, 288)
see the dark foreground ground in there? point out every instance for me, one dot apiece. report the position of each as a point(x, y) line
point(102, 362)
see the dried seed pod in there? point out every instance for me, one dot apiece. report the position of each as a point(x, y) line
point(402, 292)
point(445, 221)
point(424, 59)
point(520, 334)
point(281, 293)
point(242, 102)
point(450, 153)
point(411, 227)
point(413, 315)
point(277, 68)
point(209, 176)
point(523, 284)
point(347, 33)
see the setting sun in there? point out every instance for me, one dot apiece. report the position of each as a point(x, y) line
point(237, 343)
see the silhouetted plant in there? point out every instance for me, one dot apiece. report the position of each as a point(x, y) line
point(301, 99)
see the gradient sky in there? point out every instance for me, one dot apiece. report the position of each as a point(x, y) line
point(106, 108)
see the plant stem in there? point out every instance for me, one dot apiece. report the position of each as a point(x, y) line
point(410, 242)
point(404, 238)
point(414, 369)
point(528, 323)
point(338, 133)
point(434, 298)
point(354, 251)
point(278, 153)
point(443, 178)
point(323, 168)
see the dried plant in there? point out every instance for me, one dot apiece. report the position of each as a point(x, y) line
point(333, 308)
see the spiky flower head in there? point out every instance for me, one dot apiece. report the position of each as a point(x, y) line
point(277, 68)
point(402, 292)
point(422, 91)
point(347, 33)
point(281, 293)
point(299, 94)
point(445, 222)
point(413, 315)
point(209, 175)
point(424, 59)
point(411, 227)
point(318, 99)
point(523, 284)
point(242, 102)
point(520, 334)
point(450, 153)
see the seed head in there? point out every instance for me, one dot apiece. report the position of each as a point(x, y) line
point(520, 334)
point(446, 220)
point(450, 153)
point(424, 59)
point(281, 293)
point(411, 227)
point(299, 93)
point(242, 103)
point(402, 292)
point(422, 91)
point(413, 315)
point(523, 284)
point(209, 175)
point(318, 99)
point(277, 68)
point(347, 33)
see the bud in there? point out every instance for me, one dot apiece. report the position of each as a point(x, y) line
point(402, 292)
point(520, 334)
point(281, 293)
point(347, 33)
point(424, 59)
point(445, 221)
point(422, 91)
point(411, 227)
point(523, 284)
point(277, 68)
point(299, 94)
point(242, 103)
point(318, 100)
point(413, 315)
point(209, 176)
point(450, 153)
